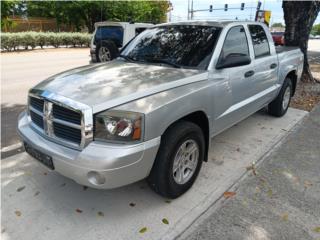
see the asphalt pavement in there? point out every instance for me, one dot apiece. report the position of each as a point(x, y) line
point(280, 201)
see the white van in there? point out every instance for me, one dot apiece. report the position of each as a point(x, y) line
point(109, 37)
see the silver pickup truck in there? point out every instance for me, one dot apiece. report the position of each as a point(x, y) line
point(151, 112)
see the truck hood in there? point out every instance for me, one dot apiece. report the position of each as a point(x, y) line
point(106, 85)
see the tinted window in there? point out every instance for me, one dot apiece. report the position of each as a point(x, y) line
point(235, 43)
point(260, 41)
point(113, 33)
point(183, 45)
point(139, 30)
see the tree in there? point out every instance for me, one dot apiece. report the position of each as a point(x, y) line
point(9, 9)
point(86, 13)
point(277, 25)
point(316, 29)
point(299, 17)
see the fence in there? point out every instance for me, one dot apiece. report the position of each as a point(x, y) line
point(37, 25)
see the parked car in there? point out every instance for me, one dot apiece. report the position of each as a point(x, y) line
point(151, 113)
point(278, 38)
point(109, 37)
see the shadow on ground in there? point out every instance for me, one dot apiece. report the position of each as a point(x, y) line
point(9, 119)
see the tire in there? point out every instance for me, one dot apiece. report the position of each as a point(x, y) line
point(162, 178)
point(279, 106)
point(109, 49)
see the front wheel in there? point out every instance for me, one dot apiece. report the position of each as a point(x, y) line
point(279, 106)
point(178, 161)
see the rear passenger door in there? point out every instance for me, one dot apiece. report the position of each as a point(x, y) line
point(265, 65)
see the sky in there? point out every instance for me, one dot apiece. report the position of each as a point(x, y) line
point(180, 10)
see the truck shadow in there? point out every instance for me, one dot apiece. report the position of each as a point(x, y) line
point(9, 120)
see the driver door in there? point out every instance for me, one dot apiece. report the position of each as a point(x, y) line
point(239, 79)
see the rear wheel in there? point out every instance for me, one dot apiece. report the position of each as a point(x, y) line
point(106, 51)
point(178, 161)
point(279, 106)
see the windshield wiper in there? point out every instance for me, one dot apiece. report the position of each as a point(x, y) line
point(158, 60)
point(127, 58)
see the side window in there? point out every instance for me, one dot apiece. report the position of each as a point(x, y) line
point(259, 40)
point(139, 30)
point(235, 43)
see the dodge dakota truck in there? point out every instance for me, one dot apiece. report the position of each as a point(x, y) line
point(151, 112)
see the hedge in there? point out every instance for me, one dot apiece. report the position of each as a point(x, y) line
point(26, 40)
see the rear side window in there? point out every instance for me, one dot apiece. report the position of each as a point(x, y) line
point(259, 40)
point(139, 30)
point(235, 43)
point(113, 33)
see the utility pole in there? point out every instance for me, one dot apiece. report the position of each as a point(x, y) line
point(188, 9)
point(191, 9)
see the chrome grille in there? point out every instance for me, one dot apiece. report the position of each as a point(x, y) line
point(66, 114)
point(51, 116)
point(37, 119)
point(68, 133)
point(37, 103)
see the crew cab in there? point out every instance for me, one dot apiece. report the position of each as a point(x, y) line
point(152, 112)
point(109, 37)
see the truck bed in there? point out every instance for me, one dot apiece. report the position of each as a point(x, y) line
point(281, 49)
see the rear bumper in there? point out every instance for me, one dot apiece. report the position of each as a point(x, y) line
point(99, 165)
point(93, 56)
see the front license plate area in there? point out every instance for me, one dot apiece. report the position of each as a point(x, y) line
point(41, 157)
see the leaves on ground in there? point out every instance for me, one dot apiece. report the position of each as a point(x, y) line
point(229, 194)
point(285, 217)
point(165, 221)
point(132, 204)
point(270, 193)
point(252, 168)
point(100, 214)
point(28, 173)
point(18, 213)
point(168, 201)
point(316, 229)
point(36, 193)
point(143, 230)
point(21, 188)
point(79, 210)
point(307, 183)
point(45, 173)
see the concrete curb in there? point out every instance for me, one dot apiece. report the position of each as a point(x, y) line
point(11, 150)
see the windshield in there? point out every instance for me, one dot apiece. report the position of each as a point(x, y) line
point(176, 45)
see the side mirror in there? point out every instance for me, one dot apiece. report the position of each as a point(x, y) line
point(233, 61)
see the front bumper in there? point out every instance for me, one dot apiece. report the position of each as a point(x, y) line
point(99, 165)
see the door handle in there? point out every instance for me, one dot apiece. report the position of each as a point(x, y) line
point(273, 65)
point(249, 74)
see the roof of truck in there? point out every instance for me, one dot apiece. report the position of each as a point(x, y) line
point(219, 23)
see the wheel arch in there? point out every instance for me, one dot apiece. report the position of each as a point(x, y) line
point(199, 118)
point(294, 78)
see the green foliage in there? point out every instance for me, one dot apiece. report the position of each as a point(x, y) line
point(316, 29)
point(86, 13)
point(277, 25)
point(26, 40)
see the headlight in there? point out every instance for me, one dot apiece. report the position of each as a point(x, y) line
point(119, 126)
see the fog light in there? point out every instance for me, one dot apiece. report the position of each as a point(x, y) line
point(96, 178)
